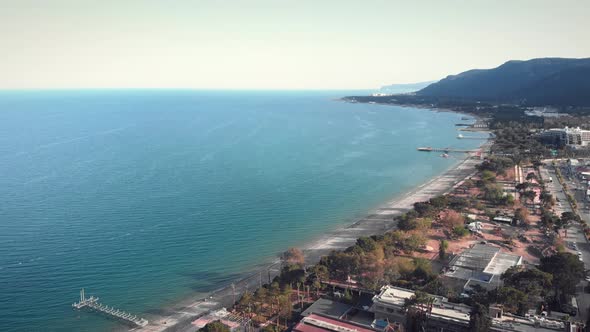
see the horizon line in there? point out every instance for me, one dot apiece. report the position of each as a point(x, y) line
point(183, 89)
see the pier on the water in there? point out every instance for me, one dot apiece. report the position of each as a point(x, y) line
point(445, 150)
point(470, 137)
point(92, 303)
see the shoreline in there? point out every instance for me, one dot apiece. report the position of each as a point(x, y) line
point(179, 316)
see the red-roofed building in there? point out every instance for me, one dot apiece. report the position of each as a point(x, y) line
point(319, 323)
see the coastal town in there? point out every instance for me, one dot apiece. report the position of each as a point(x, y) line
point(497, 243)
point(295, 166)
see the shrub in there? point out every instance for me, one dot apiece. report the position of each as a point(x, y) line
point(460, 231)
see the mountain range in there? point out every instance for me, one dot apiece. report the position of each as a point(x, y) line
point(543, 81)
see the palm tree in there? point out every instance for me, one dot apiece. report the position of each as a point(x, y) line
point(530, 196)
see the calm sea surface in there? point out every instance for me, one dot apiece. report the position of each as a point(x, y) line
point(145, 197)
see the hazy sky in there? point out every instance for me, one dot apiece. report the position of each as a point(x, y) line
point(281, 44)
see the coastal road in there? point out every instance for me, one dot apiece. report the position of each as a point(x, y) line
point(575, 235)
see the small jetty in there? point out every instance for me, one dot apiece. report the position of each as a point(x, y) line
point(93, 304)
point(470, 137)
point(445, 150)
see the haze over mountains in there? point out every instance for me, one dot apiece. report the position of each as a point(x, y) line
point(544, 81)
point(404, 87)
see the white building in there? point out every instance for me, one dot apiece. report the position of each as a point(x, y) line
point(481, 265)
point(572, 137)
point(445, 316)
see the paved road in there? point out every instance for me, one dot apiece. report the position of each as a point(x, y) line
point(575, 233)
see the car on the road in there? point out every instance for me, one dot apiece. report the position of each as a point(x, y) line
point(588, 278)
point(569, 309)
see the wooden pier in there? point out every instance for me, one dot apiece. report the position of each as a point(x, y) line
point(471, 137)
point(92, 303)
point(445, 150)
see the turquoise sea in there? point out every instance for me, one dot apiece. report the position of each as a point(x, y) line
point(144, 197)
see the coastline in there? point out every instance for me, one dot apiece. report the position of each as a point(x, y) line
point(180, 316)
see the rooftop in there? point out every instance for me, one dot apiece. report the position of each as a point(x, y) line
point(459, 313)
point(319, 323)
point(523, 324)
point(442, 309)
point(481, 262)
point(394, 295)
point(327, 308)
point(502, 262)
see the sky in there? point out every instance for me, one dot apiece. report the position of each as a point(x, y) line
point(275, 44)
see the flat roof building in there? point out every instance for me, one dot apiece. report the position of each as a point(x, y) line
point(482, 264)
point(444, 316)
point(572, 137)
point(326, 307)
point(320, 323)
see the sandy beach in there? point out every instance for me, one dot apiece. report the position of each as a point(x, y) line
point(179, 317)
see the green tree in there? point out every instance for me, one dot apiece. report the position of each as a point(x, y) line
point(479, 319)
point(460, 231)
point(261, 294)
point(414, 242)
point(425, 209)
point(215, 326)
point(341, 264)
point(437, 287)
point(407, 222)
point(493, 193)
point(532, 281)
point(442, 249)
point(567, 272)
point(548, 219)
point(514, 300)
point(531, 176)
point(568, 216)
point(419, 298)
point(246, 301)
point(439, 202)
point(488, 176)
point(271, 328)
point(422, 270)
point(529, 195)
point(547, 199)
point(292, 273)
point(367, 244)
point(497, 164)
point(522, 187)
point(318, 273)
